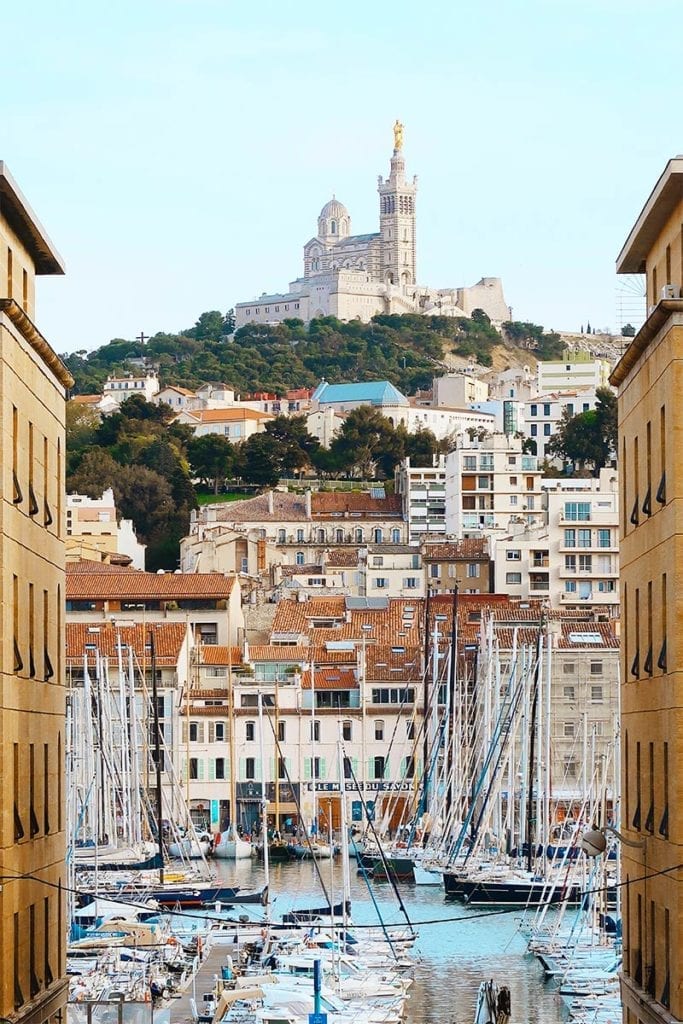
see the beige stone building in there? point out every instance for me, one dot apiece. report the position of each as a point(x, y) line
point(32, 705)
point(649, 377)
point(94, 532)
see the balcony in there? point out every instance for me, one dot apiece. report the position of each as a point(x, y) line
point(540, 563)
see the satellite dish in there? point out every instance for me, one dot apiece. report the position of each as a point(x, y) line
point(593, 842)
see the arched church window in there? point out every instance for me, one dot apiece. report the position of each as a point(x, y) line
point(333, 227)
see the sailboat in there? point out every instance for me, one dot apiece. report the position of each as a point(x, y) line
point(228, 845)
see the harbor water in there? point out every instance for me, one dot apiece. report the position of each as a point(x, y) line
point(457, 948)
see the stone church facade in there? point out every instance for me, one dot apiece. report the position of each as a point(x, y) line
point(354, 277)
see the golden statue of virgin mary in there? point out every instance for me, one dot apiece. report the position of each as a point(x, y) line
point(398, 135)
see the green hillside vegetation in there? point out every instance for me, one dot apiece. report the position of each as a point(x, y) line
point(407, 350)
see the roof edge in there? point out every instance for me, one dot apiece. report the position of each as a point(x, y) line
point(32, 233)
point(650, 329)
point(629, 260)
point(35, 339)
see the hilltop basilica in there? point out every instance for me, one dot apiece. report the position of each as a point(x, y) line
point(354, 277)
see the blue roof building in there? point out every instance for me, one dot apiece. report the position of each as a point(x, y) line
point(349, 396)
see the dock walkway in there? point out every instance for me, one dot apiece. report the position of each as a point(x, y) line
point(205, 979)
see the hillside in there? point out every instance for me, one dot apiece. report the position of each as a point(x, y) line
point(407, 350)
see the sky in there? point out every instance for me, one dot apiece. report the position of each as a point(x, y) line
point(178, 152)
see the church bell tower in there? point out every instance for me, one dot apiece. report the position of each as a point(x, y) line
point(397, 219)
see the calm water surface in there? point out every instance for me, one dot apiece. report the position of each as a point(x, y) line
point(453, 957)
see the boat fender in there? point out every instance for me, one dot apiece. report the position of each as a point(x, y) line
point(217, 839)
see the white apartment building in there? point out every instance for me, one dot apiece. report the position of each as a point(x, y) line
point(458, 389)
point(572, 559)
point(489, 484)
point(578, 370)
point(120, 388)
point(423, 492)
point(543, 413)
point(392, 570)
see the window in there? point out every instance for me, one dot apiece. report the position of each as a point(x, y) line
point(473, 570)
point(315, 767)
point(584, 538)
point(281, 536)
point(484, 483)
point(250, 768)
point(534, 430)
point(568, 668)
point(604, 538)
point(194, 768)
point(570, 587)
point(220, 767)
point(281, 731)
point(378, 561)
point(410, 583)
point(314, 731)
point(534, 410)
point(380, 764)
point(570, 538)
point(513, 554)
point(321, 536)
point(513, 577)
point(194, 732)
point(569, 693)
point(381, 583)
point(339, 536)
point(377, 535)
point(249, 731)
point(585, 563)
point(395, 536)
point(596, 694)
point(348, 768)
point(513, 481)
point(359, 536)
point(469, 462)
point(596, 668)
point(577, 511)
point(347, 728)
point(434, 570)
point(546, 430)
point(299, 558)
point(220, 732)
point(410, 729)
point(569, 729)
point(300, 536)
point(546, 409)
point(282, 767)
point(410, 767)
point(513, 499)
point(379, 730)
point(570, 769)
point(606, 586)
point(570, 563)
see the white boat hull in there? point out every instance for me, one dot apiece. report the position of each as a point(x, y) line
point(191, 849)
point(228, 846)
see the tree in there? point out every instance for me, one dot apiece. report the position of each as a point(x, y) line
point(366, 442)
point(212, 458)
point(259, 460)
point(589, 438)
point(297, 445)
point(421, 447)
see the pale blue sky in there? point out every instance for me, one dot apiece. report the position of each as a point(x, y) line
point(178, 151)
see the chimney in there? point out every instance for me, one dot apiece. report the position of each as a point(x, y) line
point(270, 503)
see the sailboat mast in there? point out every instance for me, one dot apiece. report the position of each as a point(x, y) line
point(450, 734)
point(530, 836)
point(157, 753)
point(264, 796)
point(231, 726)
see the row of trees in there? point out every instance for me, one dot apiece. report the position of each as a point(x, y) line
point(407, 350)
point(588, 440)
point(151, 463)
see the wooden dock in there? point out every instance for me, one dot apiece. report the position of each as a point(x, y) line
point(205, 981)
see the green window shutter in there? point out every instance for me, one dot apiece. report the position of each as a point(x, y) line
point(212, 731)
point(184, 731)
point(307, 768)
point(243, 768)
point(200, 732)
point(258, 770)
point(371, 769)
point(323, 768)
point(354, 766)
point(212, 769)
point(200, 768)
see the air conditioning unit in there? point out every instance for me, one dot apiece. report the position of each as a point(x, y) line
point(670, 291)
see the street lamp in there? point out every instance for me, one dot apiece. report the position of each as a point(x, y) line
point(594, 841)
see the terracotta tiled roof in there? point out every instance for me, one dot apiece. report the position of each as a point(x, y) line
point(284, 652)
point(227, 415)
point(330, 679)
point(324, 503)
point(102, 583)
point(174, 387)
point(301, 570)
point(87, 399)
point(286, 508)
point(295, 616)
point(87, 565)
point(215, 654)
point(342, 557)
point(84, 637)
point(393, 665)
point(570, 636)
point(467, 549)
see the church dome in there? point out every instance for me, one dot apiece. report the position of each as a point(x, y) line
point(333, 209)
